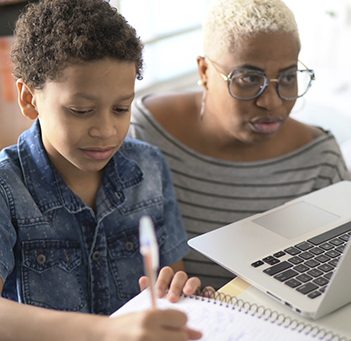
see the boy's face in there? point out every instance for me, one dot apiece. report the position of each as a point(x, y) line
point(85, 114)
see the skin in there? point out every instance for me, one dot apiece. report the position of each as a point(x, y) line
point(85, 126)
point(24, 322)
point(228, 129)
point(82, 128)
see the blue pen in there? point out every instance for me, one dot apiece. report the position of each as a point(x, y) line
point(149, 250)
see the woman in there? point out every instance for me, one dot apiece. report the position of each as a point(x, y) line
point(232, 148)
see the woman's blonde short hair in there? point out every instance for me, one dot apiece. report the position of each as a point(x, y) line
point(228, 21)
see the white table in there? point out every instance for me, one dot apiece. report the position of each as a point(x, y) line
point(339, 321)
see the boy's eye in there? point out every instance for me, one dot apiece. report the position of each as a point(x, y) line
point(87, 111)
point(120, 110)
point(78, 111)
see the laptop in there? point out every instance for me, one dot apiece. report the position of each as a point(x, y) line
point(298, 253)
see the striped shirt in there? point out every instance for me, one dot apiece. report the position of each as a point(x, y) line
point(212, 192)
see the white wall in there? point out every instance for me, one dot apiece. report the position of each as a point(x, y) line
point(325, 31)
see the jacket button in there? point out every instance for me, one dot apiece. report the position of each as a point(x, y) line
point(41, 259)
point(96, 255)
point(129, 246)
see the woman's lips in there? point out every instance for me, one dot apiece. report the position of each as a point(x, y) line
point(99, 154)
point(266, 125)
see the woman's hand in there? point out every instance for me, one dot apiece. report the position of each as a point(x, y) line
point(172, 284)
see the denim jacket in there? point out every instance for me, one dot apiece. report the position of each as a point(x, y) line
point(56, 252)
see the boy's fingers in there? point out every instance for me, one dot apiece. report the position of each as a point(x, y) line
point(143, 283)
point(174, 319)
point(167, 318)
point(191, 286)
point(177, 285)
point(164, 279)
point(193, 334)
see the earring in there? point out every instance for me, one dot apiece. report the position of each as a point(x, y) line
point(203, 104)
point(202, 83)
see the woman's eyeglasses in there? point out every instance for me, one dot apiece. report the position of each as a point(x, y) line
point(246, 84)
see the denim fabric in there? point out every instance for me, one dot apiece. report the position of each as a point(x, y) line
point(56, 252)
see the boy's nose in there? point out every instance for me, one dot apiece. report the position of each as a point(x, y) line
point(103, 127)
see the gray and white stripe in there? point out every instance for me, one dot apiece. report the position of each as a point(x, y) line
point(212, 192)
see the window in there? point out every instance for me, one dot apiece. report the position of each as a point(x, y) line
point(171, 32)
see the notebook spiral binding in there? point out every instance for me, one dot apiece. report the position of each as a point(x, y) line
point(267, 314)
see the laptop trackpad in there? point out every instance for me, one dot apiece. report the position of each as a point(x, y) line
point(296, 219)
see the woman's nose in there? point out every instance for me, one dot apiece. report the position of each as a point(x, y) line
point(270, 98)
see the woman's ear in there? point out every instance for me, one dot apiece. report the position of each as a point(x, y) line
point(26, 100)
point(202, 70)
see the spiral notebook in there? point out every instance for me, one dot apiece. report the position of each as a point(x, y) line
point(227, 318)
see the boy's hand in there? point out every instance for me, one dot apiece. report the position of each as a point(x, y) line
point(154, 325)
point(172, 284)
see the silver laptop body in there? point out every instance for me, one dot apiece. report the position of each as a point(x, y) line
point(314, 223)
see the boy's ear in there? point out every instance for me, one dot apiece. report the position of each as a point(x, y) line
point(26, 100)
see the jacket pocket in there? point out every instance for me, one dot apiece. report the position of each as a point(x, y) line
point(126, 261)
point(51, 274)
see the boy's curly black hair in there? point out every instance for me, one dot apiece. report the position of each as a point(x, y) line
point(52, 34)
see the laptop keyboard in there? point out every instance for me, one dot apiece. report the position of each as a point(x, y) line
point(308, 266)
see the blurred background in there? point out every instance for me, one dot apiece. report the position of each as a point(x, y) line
point(171, 32)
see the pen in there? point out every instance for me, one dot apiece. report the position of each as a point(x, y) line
point(149, 251)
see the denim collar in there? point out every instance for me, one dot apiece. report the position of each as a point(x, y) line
point(47, 186)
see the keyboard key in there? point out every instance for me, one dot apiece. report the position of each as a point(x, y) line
point(328, 275)
point(271, 260)
point(306, 288)
point(257, 263)
point(292, 283)
point(314, 294)
point(311, 263)
point(277, 268)
point(336, 242)
point(292, 251)
point(306, 255)
point(304, 246)
point(295, 260)
point(340, 248)
point(326, 246)
point(332, 254)
point(316, 250)
point(334, 262)
point(283, 276)
point(301, 268)
point(322, 258)
point(325, 268)
point(303, 278)
point(315, 272)
point(279, 254)
point(321, 281)
point(345, 237)
point(331, 234)
point(322, 289)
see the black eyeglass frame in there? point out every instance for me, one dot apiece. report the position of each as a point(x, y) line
point(267, 81)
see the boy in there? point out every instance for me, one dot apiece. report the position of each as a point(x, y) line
point(72, 190)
